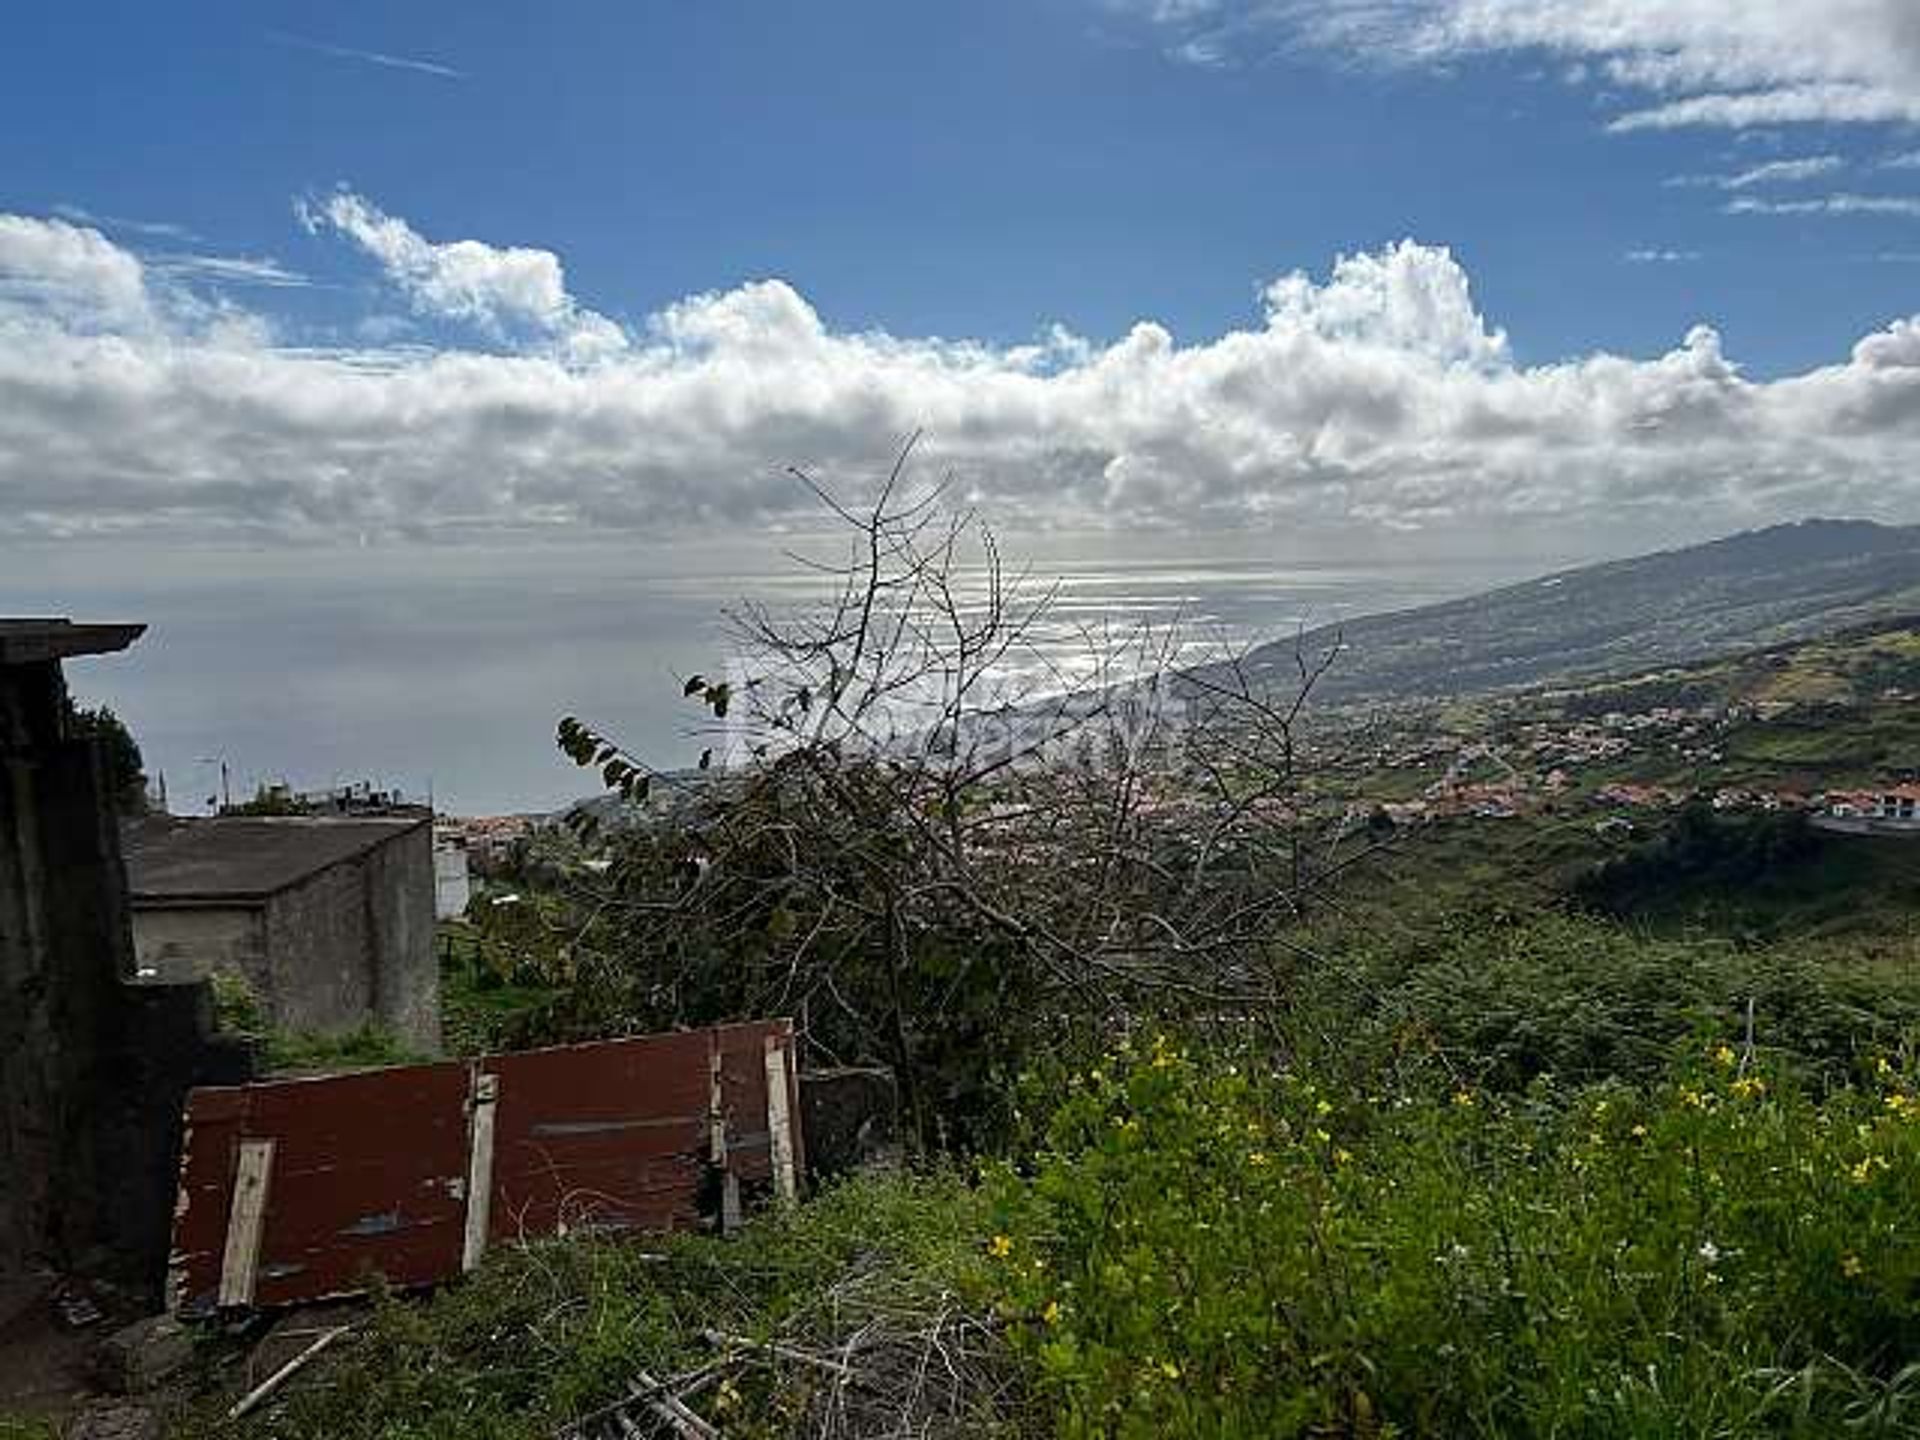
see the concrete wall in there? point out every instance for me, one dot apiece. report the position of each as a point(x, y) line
point(318, 953)
point(355, 943)
point(63, 948)
point(406, 975)
point(179, 947)
point(452, 880)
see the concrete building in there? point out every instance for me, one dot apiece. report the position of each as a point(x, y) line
point(452, 876)
point(330, 921)
point(1892, 810)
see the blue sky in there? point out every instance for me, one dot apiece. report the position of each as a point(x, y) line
point(1369, 266)
point(310, 315)
point(971, 171)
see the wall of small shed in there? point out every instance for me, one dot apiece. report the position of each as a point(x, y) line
point(406, 972)
point(180, 946)
point(354, 943)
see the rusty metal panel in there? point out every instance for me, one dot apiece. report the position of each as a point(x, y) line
point(368, 1176)
point(373, 1173)
point(617, 1135)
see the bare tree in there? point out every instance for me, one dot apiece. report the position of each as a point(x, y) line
point(934, 843)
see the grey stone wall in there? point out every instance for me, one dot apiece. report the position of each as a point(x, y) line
point(355, 943)
point(406, 975)
point(64, 946)
point(181, 946)
point(319, 953)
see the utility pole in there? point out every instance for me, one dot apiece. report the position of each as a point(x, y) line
point(226, 787)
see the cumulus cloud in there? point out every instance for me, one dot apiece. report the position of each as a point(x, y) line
point(508, 293)
point(53, 268)
point(1375, 395)
point(1720, 63)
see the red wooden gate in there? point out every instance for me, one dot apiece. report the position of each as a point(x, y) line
point(297, 1190)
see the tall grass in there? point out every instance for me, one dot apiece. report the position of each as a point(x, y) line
point(1205, 1248)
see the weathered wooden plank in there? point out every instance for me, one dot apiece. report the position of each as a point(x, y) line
point(246, 1222)
point(779, 1052)
point(486, 1090)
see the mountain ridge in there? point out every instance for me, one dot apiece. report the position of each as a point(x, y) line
point(1758, 587)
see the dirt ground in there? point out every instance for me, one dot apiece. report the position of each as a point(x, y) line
point(46, 1368)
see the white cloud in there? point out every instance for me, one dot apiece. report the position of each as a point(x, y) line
point(53, 268)
point(162, 229)
point(229, 269)
point(381, 58)
point(1661, 257)
point(1787, 105)
point(508, 293)
point(1783, 172)
point(1906, 160)
point(1827, 205)
point(1724, 63)
point(1376, 396)
point(1774, 172)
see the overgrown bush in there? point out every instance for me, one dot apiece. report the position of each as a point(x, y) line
point(1204, 1247)
point(1508, 1000)
point(1699, 850)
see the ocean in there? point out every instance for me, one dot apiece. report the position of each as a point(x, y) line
point(442, 669)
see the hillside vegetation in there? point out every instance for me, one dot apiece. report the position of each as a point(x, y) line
point(1760, 588)
point(1238, 1107)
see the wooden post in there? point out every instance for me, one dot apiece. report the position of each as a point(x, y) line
point(486, 1090)
point(717, 1138)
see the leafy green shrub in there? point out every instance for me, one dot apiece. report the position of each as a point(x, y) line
point(236, 1004)
point(1585, 1000)
point(1204, 1248)
point(1697, 850)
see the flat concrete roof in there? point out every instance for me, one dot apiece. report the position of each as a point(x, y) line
point(242, 860)
point(31, 641)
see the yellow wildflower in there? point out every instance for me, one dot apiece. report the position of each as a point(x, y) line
point(1169, 1369)
point(1342, 1157)
point(1639, 1132)
point(1256, 1157)
point(1851, 1267)
point(1052, 1313)
point(1692, 1098)
point(1748, 1087)
point(1723, 1057)
point(1000, 1247)
point(1322, 1107)
point(1463, 1099)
